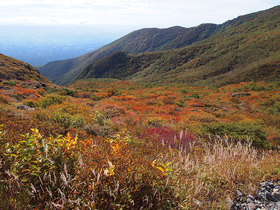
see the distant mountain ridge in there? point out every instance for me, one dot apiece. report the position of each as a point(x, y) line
point(187, 55)
point(143, 40)
point(244, 49)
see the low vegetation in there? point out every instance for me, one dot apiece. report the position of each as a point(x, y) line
point(135, 146)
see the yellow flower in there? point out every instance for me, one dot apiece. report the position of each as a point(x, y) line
point(162, 167)
point(154, 162)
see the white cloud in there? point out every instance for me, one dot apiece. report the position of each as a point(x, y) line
point(138, 13)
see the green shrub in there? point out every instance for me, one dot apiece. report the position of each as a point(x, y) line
point(195, 95)
point(97, 129)
point(51, 100)
point(67, 92)
point(275, 108)
point(28, 156)
point(184, 90)
point(274, 85)
point(94, 97)
point(253, 86)
point(100, 119)
point(239, 132)
point(30, 103)
point(67, 120)
point(114, 92)
point(11, 82)
point(271, 106)
point(181, 103)
point(155, 122)
point(35, 164)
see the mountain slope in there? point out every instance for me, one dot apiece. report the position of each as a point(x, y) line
point(144, 40)
point(118, 65)
point(245, 49)
point(13, 69)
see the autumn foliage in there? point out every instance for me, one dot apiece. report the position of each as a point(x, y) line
point(120, 145)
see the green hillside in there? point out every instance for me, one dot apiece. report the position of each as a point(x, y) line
point(245, 49)
point(144, 40)
point(13, 69)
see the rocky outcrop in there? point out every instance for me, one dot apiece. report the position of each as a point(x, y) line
point(267, 197)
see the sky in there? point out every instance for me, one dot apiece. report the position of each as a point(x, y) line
point(132, 14)
point(39, 31)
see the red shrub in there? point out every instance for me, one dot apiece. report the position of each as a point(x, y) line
point(169, 137)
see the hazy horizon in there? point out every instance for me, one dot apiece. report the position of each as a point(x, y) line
point(40, 32)
point(39, 45)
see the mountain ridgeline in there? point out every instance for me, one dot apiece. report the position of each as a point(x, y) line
point(144, 40)
point(243, 49)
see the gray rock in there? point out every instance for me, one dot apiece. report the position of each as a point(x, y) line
point(229, 203)
point(276, 195)
point(37, 86)
point(267, 197)
point(251, 206)
point(240, 94)
point(195, 110)
point(238, 193)
point(270, 197)
point(263, 184)
point(250, 198)
point(260, 196)
point(24, 107)
point(197, 202)
point(257, 202)
point(270, 184)
point(273, 206)
point(177, 109)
